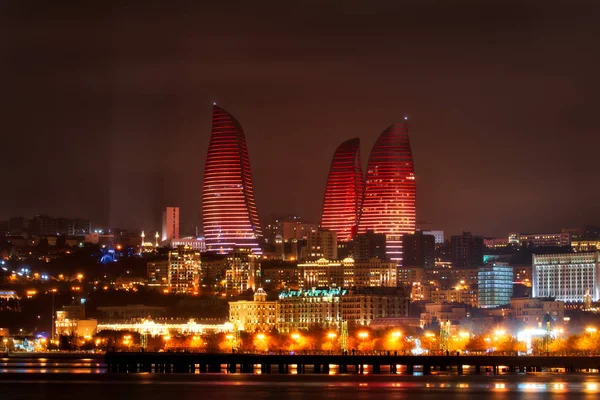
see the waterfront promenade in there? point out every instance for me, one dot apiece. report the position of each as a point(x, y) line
point(123, 362)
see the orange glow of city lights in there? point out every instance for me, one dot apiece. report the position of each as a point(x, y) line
point(261, 336)
point(332, 335)
point(363, 335)
point(396, 334)
point(296, 336)
point(229, 337)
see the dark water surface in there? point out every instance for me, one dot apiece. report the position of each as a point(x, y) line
point(19, 386)
point(86, 379)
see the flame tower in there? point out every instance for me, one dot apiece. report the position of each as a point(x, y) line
point(343, 195)
point(390, 191)
point(229, 214)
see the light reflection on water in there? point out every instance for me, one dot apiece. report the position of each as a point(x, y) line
point(442, 384)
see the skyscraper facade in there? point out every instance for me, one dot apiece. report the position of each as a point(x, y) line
point(388, 204)
point(170, 223)
point(343, 194)
point(229, 214)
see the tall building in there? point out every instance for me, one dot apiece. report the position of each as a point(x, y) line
point(343, 194)
point(242, 272)
point(369, 245)
point(184, 270)
point(495, 284)
point(229, 214)
point(466, 250)
point(158, 272)
point(322, 243)
point(566, 277)
point(390, 191)
point(419, 250)
point(170, 224)
point(438, 234)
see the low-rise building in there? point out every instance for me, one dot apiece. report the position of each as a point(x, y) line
point(311, 308)
point(410, 275)
point(131, 311)
point(326, 273)
point(439, 312)
point(532, 311)
point(363, 305)
point(258, 315)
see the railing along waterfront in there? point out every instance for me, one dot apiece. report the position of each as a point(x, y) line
point(167, 362)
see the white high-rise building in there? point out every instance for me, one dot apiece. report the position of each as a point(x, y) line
point(566, 277)
point(170, 224)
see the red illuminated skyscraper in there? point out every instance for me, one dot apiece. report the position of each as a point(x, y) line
point(389, 198)
point(229, 214)
point(343, 195)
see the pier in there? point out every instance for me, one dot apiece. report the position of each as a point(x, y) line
point(123, 362)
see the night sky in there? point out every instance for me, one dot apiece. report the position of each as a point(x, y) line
point(106, 109)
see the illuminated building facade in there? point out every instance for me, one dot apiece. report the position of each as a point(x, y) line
point(184, 270)
point(322, 243)
point(343, 194)
point(347, 273)
point(158, 272)
point(495, 284)
point(566, 277)
point(326, 273)
point(410, 275)
point(540, 239)
point(439, 312)
point(229, 214)
point(312, 308)
point(374, 273)
point(170, 224)
point(258, 315)
point(153, 328)
point(241, 273)
point(389, 197)
point(361, 306)
point(190, 241)
point(533, 311)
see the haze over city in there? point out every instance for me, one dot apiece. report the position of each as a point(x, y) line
point(107, 108)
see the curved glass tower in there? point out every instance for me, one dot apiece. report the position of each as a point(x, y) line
point(229, 215)
point(390, 192)
point(343, 194)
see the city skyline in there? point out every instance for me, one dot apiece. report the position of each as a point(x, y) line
point(111, 123)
